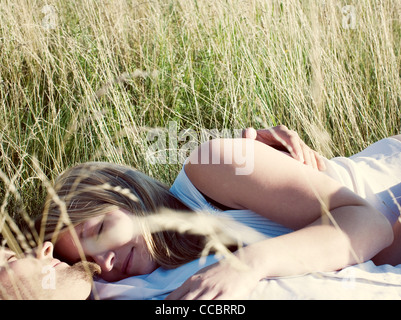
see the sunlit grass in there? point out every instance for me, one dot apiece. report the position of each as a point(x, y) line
point(91, 86)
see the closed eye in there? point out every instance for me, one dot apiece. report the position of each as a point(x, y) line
point(12, 258)
point(100, 229)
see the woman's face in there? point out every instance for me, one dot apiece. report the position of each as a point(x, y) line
point(111, 242)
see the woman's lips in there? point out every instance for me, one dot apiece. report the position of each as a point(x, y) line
point(127, 262)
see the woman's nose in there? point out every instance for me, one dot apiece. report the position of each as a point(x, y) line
point(45, 251)
point(105, 260)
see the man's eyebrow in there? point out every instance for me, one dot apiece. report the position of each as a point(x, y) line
point(4, 252)
point(4, 261)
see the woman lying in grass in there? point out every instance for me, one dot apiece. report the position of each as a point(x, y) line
point(318, 220)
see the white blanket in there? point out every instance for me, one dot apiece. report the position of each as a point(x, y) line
point(363, 281)
point(359, 282)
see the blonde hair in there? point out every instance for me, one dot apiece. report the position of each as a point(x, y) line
point(95, 188)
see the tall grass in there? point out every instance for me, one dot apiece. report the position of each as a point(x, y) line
point(91, 86)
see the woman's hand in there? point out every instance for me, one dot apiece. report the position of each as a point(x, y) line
point(217, 282)
point(281, 138)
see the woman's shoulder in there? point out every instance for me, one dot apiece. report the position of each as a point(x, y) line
point(185, 191)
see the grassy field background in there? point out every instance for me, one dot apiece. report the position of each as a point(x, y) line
point(86, 80)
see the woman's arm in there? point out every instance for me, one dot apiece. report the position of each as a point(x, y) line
point(282, 138)
point(334, 227)
point(246, 174)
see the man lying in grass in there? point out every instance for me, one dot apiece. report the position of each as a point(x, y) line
point(40, 276)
